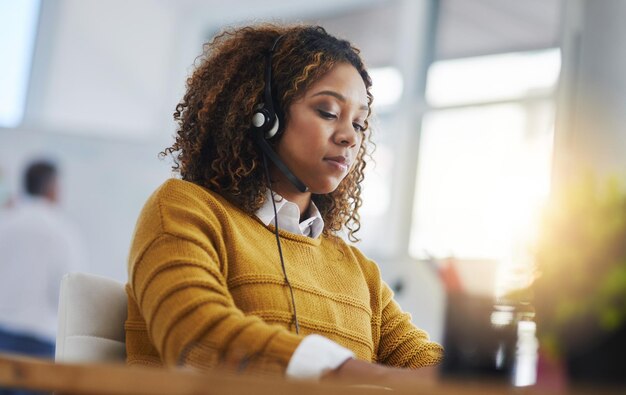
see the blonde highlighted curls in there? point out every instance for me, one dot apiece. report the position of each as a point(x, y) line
point(213, 146)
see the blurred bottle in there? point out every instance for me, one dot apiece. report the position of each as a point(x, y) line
point(503, 324)
point(525, 366)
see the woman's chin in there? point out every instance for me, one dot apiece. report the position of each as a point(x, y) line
point(323, 188)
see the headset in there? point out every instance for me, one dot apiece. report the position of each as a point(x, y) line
point(265, 125)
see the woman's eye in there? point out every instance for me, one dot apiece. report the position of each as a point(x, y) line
point(358, 128)
point(327, 115)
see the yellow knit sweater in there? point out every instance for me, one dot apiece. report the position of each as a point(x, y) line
point(206, 288)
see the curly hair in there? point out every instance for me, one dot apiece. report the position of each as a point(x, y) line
point(214, 147)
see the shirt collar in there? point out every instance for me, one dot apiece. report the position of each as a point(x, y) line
point(289, 216)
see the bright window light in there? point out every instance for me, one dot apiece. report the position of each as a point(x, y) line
point(18, 25)
point(483, 174)
point(387, 86)
point(492, 78)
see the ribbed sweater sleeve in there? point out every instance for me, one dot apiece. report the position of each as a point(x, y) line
point(178, 281)
point(401, 343)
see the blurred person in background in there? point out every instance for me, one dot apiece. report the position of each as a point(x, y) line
point(38, 246)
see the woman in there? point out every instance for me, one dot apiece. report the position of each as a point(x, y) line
point(238, 264)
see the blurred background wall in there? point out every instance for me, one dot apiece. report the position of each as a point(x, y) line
point(468, 93)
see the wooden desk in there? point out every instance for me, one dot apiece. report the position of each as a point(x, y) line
point(45, 375)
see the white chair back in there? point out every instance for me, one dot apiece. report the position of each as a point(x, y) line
point(92, 312)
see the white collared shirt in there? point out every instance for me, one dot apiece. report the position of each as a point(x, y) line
point(316, 354)
point(289, 217)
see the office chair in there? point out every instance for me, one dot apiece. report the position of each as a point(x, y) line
point(92, 312)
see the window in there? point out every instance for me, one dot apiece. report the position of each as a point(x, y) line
point(18, 25)
point(387, 87)
point(485, 156)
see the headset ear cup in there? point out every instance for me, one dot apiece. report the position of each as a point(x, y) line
point(265, 121)
point(259, 119)
point(271, 132)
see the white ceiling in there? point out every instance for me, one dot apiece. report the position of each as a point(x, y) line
point(234, 10)
point(465, 27)
point(480, 27)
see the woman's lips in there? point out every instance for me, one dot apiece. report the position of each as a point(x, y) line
point(339, 162)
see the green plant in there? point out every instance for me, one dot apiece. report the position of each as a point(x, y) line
point(580, 288)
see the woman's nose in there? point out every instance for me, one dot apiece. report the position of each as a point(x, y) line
point(346, 135)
